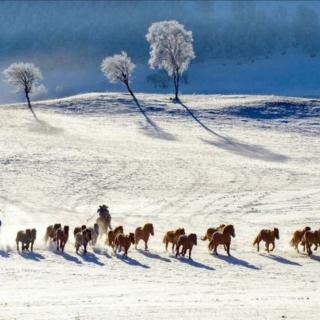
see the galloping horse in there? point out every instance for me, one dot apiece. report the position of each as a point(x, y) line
point(104, 220)
point(222, 237)
point(268, 236)
point(143, 233)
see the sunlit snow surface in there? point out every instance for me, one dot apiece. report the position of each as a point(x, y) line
point(257, 167)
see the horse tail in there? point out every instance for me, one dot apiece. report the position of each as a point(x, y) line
point(204, 238)
point(292, 242)
point(164, 238)
point(256, 240)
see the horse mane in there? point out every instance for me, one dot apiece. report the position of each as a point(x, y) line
point(228, 228)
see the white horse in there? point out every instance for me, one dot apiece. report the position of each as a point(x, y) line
point(104, 224)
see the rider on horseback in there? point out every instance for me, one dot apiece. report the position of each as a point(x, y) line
point(103, 211)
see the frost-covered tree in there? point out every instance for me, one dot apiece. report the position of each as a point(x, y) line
point(24, 77)
point(171, 49)
point(119, 68)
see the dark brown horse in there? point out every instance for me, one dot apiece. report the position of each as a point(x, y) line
point(62, 237)
point(187, 243)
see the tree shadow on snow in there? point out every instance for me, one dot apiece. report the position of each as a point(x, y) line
point(280, 259)
point(193, 263)
point(32, 256)
point(236, 261)
point(41, 126)
point(92, 258)
point(151, 129)
point(237, 147)
point(68, 257)
point(148, 254)
point(131, 261)
point(246, 150)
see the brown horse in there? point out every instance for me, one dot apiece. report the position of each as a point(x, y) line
point(143, 233)
point(62, 237)
point(78, 229)
point(186, 242)
point(172, 237)
point(112, 235)
point(123, 241)
point(94, 234)
point(211, 231)
point(222, 237)
point(33, 237)
point(268, 236)
point(297, 237)
point(25, 237)
point(309, 238)
point(51, 232)
point(82, 238)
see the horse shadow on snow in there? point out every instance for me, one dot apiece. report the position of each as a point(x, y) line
point(32, 256)
point(151, 255)
point(193, 263)
point(130, 261)
point(280, 259)
point(236, 261)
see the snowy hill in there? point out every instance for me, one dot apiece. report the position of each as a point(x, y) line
point(255, 166)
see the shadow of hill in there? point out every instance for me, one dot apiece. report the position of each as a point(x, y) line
point(275, 110)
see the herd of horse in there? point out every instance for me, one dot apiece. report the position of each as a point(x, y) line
point(181, 242)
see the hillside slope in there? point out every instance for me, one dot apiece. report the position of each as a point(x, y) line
point(255, 166)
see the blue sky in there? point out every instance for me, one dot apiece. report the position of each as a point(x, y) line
point(69, 39)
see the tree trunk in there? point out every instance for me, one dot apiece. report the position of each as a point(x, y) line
point(134, 97)
point(29, 105)
point(176, 79)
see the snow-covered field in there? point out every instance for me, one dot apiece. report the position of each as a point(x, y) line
point(258, 167)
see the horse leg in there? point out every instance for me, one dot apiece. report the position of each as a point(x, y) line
point(273, 246)
point(136, 244)
point(146, 245)
point(85, 247)
point(258, 246)
point(228, 249)
point(177, 250)
point(57, 245)
point(215, 249)
point(190, 253)
point(309, 249)
point(167, 245)
point(17, 245)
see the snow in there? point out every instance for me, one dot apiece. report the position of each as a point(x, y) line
point(257, 168)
